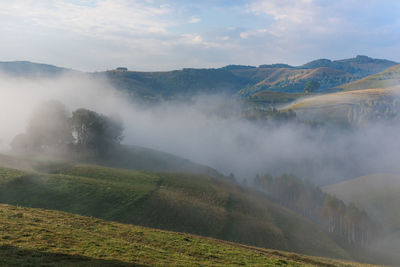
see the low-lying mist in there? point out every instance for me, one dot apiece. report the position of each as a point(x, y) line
point(209, 130)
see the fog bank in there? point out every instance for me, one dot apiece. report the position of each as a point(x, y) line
point(210, 131)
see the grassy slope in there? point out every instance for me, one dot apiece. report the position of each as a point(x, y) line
point(179, 202)
point(385, 79)
point(140, 158)
point(123, 156)
point(42, 237)
point(334, 107)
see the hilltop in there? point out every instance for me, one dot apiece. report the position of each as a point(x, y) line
point(26, 68)
point(42, 237)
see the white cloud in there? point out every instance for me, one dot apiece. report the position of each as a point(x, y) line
point(298, 17)
point(102, 18)
point(194, 20)
point(251, 33)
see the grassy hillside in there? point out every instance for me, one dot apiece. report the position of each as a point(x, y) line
point(339, 107)
point(328, 73)
point(179, 202)
point(121, 156)
point(232, 80)
point(175, 84)
point(385, 79)
point(243, 80)
point(32, 237)
point(361, 65)
point(141, 158)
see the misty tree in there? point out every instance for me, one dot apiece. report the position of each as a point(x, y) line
point(52, 129)
point(48, 128)
point(95, 132)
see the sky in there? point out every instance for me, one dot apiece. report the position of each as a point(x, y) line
point(96, 35)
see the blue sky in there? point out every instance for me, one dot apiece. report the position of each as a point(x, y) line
point(94, 35)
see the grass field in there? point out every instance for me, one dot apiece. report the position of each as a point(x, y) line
point(385, 79)
point(189, 203)
point(37, 237)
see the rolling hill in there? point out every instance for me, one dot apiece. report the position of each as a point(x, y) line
point(122, 156)
point(360, 65)
point(194, 204)
point(33, 237)
point(26, 68)
point(349, 107)
point(385, 79)
point(232, 80)
point(330, 74)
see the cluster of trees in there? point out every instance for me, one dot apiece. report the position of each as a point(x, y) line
point(268, 114)
point(52, 129)
point(311, 86)
point(346, 221)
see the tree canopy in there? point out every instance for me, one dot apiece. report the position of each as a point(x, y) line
point(311, 86)
point(95, 132)
point(51, 128)
point(48, 128)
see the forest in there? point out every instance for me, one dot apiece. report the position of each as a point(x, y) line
point(343, 220)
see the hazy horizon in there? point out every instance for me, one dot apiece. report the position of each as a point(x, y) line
point(161, 35)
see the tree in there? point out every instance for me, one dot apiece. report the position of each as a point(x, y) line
point(48, 129)
point(95, 132)
point(311, 86)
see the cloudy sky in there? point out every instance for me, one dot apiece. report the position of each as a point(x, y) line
point(94, 35)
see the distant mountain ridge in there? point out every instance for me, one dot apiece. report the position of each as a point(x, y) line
point(26, 68)
point(238, 80)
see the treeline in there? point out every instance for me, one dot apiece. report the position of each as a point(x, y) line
point(255, 113)
point(346, 221)
point(52, 129)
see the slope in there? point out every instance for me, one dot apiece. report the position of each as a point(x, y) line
point(347, 107)
point(328, 73)
point(361, 65)
point(121, 156)
point(379, 195)
point(26, 68)
point(385, 79)
point(231, 80)
point(42, 237)
point(178, 202)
